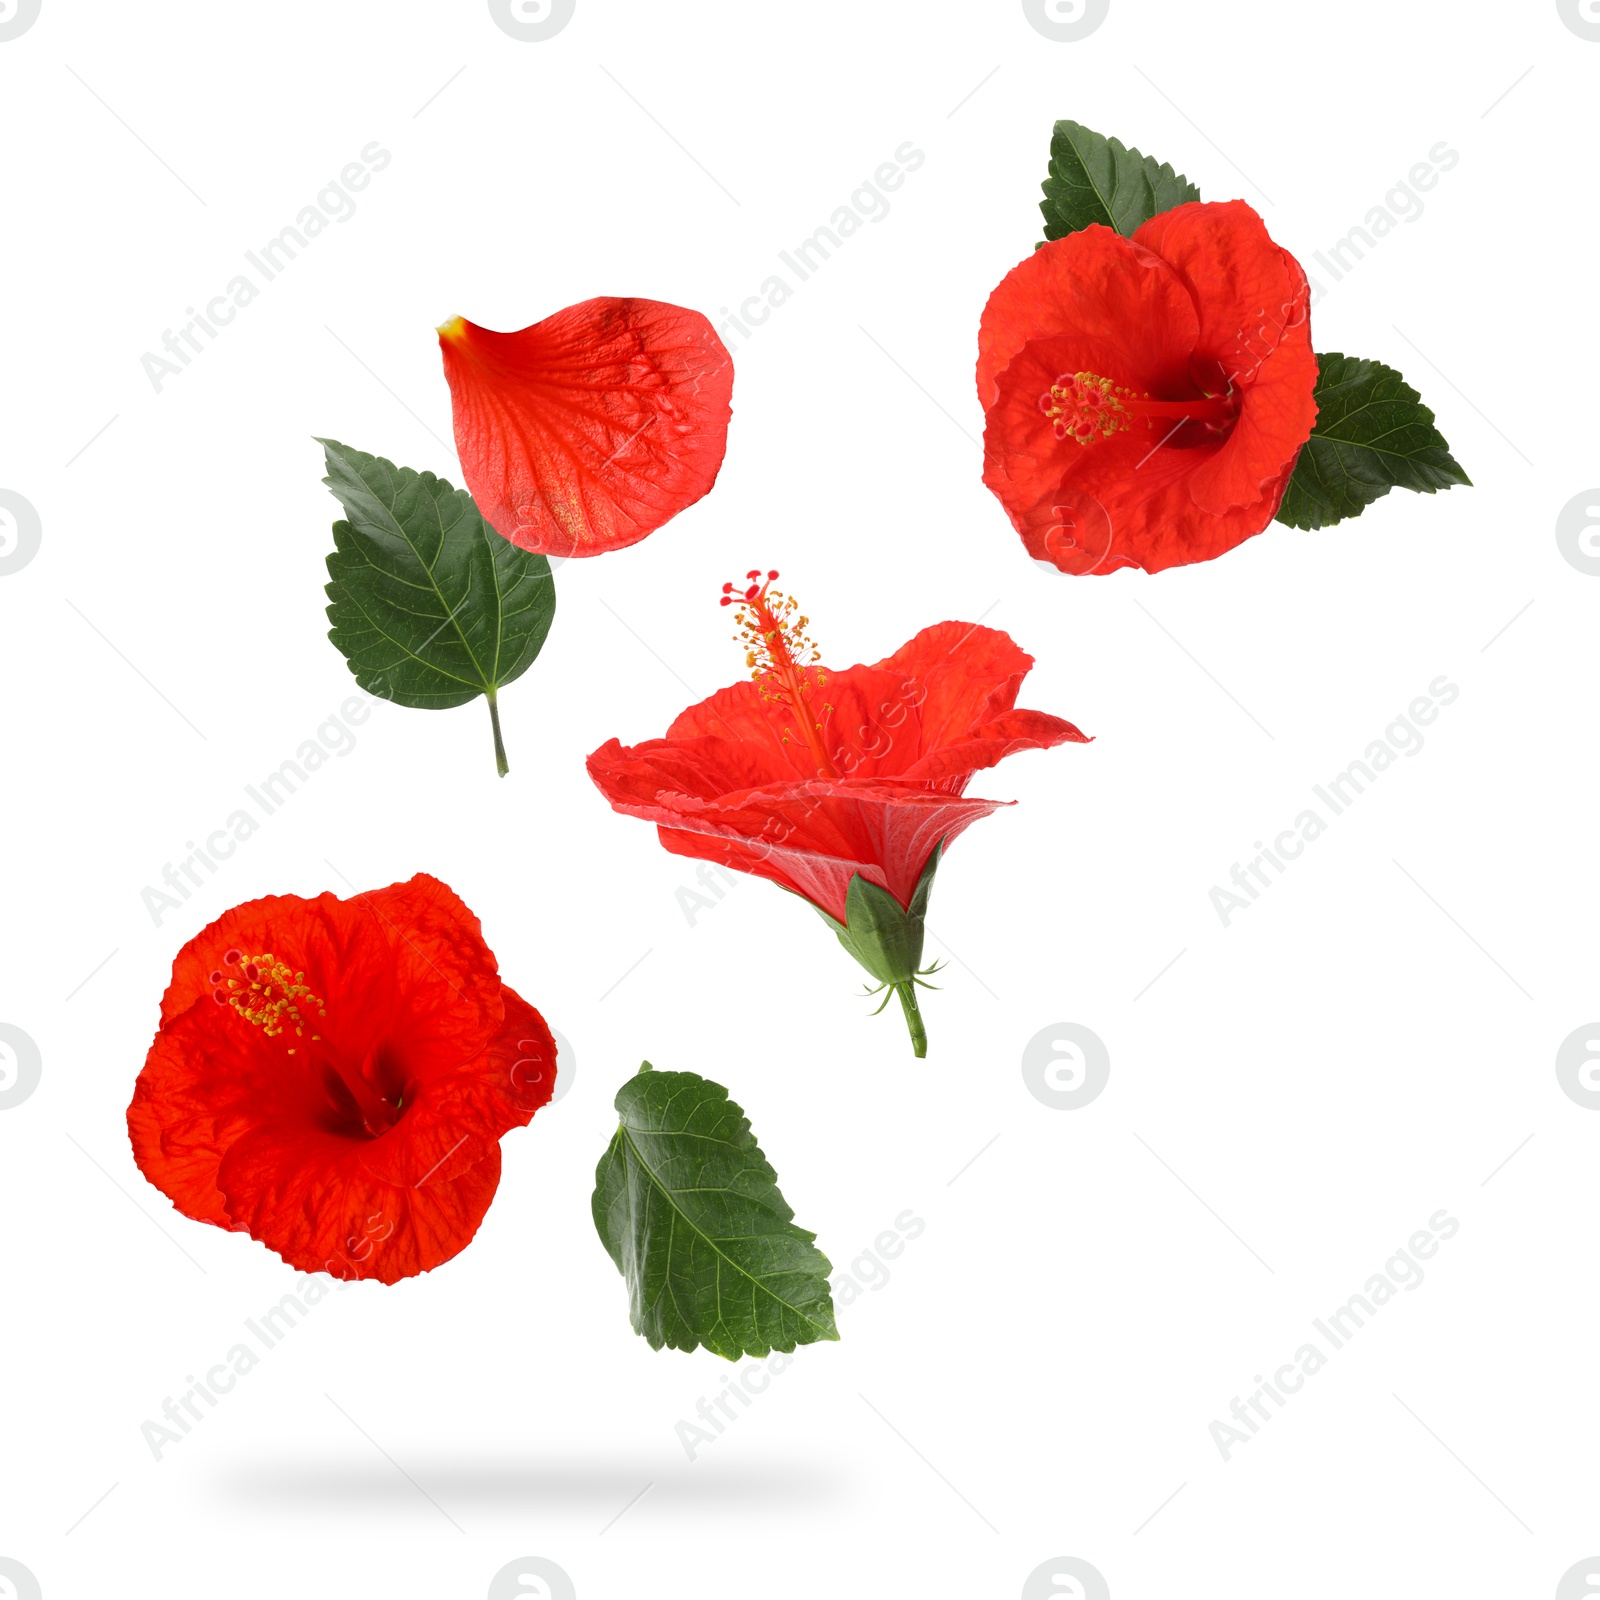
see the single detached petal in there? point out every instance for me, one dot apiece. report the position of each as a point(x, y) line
point(589, 430)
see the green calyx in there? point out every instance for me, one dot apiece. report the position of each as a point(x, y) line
point(886, 938)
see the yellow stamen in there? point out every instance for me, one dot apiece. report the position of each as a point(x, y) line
point(268, 994)
point(1084, 407)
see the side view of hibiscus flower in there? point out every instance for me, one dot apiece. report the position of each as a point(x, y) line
point(333, 1077)
point(587, 431)
point(1150, 392)
point(842, 787)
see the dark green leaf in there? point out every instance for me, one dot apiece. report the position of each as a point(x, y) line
point(430, 606)
point(1096, 179)
point(1373, 434)
point(689, 1210)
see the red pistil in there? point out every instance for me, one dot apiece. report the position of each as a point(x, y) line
point(1084, 407)
point(776, 651)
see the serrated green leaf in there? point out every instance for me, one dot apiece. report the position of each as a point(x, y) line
point(429, 605)
point(1372, 434)
point(1096, 179)
point(689, 1210)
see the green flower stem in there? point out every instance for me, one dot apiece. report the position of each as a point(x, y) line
point(499, 743)
point(908, 1004)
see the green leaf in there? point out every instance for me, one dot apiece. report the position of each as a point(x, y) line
point(1373, 434)
point(689, 1210)
point(1096, 179)
point(430, 606)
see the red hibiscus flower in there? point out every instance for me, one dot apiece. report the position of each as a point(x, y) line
point(590, 429)
point(844, 787)
point(333, 1077)
point(1146, 399)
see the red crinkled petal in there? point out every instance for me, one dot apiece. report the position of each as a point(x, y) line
point(686, 773)
point(210, 1078)
point(1006, 735)
point(933, 691)
point(1255, 325)
point(447, 994)
point(1095, 508)
point(1100, 288)
point(457, 1118)
point(339, 941)
point(867, 732)
point(815, 837)
point(705, 768)
point(312, 1200)
point(1245, 289)
point(966, 680)
point(590, 429)
point(178, 1130)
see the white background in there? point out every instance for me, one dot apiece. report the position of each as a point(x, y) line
point(1290, 1099)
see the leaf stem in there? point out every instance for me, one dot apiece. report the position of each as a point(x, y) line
point(908, 1004)
point(499, 743)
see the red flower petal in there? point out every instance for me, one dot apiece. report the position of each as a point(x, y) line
point(311, 1199)
point(1112, 293)
point(1092, 509)
point(1255, 323)
point(590, 429)
point(815, 837)
point(968, 680)
point(459, 1117)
